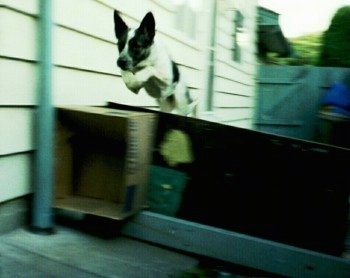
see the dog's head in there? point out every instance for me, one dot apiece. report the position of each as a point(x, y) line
point(134, 45)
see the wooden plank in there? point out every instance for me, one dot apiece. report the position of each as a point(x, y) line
point(234, 247)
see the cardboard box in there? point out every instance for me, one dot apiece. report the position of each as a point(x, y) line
point(102, 162)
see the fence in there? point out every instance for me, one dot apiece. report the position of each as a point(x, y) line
point(288, 98)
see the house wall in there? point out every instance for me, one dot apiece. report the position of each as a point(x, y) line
point(84, 56)
point(17, 96)
point(234, 82)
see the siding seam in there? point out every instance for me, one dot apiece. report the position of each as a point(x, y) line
point(7, 7)
point(28, 152)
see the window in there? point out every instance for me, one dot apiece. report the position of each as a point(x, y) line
point(238, 35)
point(186, 16)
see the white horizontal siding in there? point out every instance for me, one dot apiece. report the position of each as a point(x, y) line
point(234, 116)
point(192, 77)
point(87, 16)
point(71, 86)
point(244, 66)
point(79, 51)
point(231, 100)
point(18, 35)
point(15, 176)
point(101, 24)
point(18, 82)
point(234, 83)
point(17, 126)
point(225, 35)
point(183, 53)
point(236, 110)
point(242, 73)
point(135, 10)
point(228, 86)
point(27, 6)
point(226, 27)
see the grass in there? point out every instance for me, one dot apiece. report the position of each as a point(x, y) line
point(307, 49)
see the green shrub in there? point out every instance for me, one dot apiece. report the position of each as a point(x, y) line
point(335, 49)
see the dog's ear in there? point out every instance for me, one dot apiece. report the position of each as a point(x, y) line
point(119, 25)
point(146, 31)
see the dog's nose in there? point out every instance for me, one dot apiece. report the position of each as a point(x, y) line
point(122, 63)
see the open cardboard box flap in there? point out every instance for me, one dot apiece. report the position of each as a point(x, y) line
point(102, 160)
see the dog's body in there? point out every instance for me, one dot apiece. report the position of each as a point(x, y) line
point(145, 63)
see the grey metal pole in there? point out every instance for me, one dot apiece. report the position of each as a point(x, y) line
point(42, 216)
point(211, 70)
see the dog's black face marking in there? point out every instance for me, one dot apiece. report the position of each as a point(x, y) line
point(134, 45)
point(134, 54)
point(122, 41)
point(176, 73)
point(137, 51)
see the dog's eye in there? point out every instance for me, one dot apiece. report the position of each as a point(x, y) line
point(134, 45)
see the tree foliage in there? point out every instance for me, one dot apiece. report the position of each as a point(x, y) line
point(335, 49)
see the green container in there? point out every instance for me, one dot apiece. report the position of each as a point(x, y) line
point(165, 190)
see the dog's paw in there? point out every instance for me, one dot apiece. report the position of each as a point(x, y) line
point(135, 90)
point(131, 82)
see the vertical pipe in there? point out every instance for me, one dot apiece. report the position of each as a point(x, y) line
point(211, 69)
point(42, 216)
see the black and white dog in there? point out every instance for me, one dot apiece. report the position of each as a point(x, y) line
point(145, 63)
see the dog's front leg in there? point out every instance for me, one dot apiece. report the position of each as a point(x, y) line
point(145, 74)
point(131, 81)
